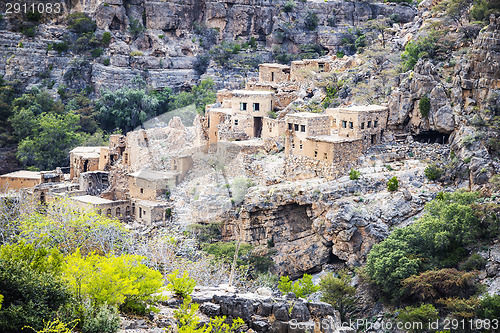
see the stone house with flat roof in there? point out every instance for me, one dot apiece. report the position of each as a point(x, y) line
point(364, 122)
point(149, 184)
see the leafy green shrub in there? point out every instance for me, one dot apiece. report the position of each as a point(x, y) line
point(29, 31)
point(29, 296)
point(136, 27)
point(354, 174)
point(301, 288)
point(182, 286)
point(106, 62)
point(338, 292)
point(422, 314)
point(449, 224)
point(474, 262)
point(102, 319)
point(81, 23)
point(461, 308)
point(225, 251)
point(201, 64)
point(490, 307)
point(424, 106)
point(289, 6)
point(111, 280)
point(56, 326)
point(393, 184)
point(60, 47)
point(432, 172)
point(106, 38)
point(207, 232)
point(96, 53)
point(311, 21)
point(33, 16)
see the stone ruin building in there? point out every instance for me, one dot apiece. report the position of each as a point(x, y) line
point(132, 177)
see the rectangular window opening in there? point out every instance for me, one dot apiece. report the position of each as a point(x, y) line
point(302, 128)
point(243, 106)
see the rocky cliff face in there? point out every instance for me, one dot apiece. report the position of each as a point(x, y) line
point(165, 54)
point(312, 224)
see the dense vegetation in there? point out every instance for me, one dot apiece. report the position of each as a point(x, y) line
point(46, 128)
point(429, 262)
point(71, 266)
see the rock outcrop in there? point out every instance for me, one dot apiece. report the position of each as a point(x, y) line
point(165, 54)
point(312, 224)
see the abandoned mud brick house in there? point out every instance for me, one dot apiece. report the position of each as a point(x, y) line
point(274, 73)
point(148, 184)
point(365, 122)
point(241, 117)
point(111, 208)
point(147, 211)
point(28, 179)
point(83, 159)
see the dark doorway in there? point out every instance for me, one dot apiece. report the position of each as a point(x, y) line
point(85, 165)
point(42, 198)
point(374, 138)
point(257, 127)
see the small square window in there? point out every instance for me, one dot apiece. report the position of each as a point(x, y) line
point(369, 124)
point(243, 106)
point(256, 106)
point(375, 123)
point(315, 153)
point(302, 128)
point(293, 145)
point(325, 156)
point(142, 190)
point(296, 127)
point(300, 146)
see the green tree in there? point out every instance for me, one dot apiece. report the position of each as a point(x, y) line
point(338, 292)
point(201, 95)
point(125, 109)
point(30, 296)
point(311, 21)
point(437, 240)
point(456, 10)
point(50, 141)
point(27, 108)
point(422, 315)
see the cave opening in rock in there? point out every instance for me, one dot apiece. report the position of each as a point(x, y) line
point(334, 260)
point(432, 137)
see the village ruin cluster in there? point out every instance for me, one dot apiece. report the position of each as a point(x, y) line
point(131, 179)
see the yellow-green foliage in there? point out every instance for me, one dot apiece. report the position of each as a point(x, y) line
point(1, 300)
point(56, 326)
point(40, 259)
point(301, 288)
point(111, 279)
point(182, 286)
point(190, 323)
point(64, 227)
